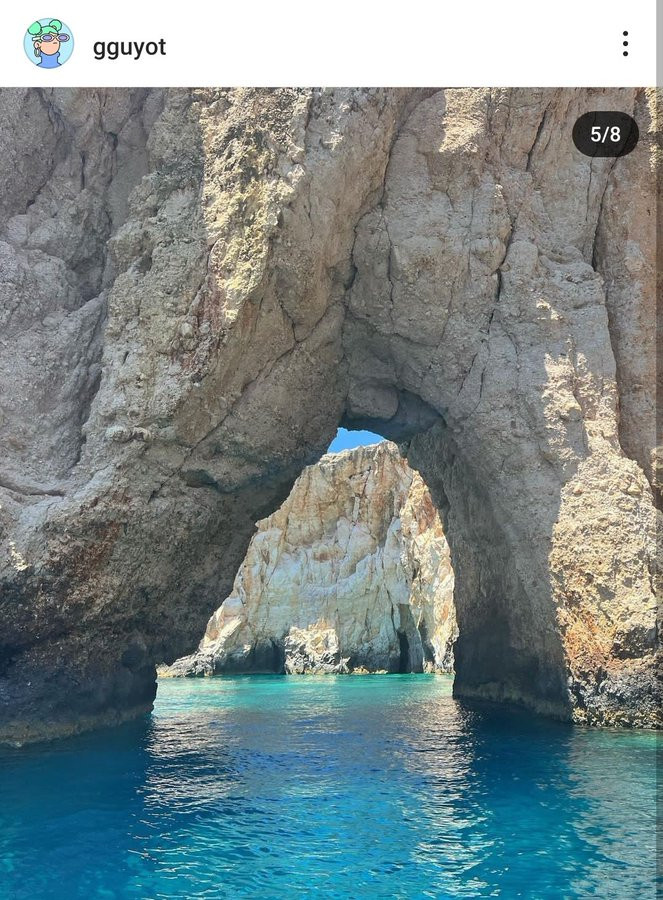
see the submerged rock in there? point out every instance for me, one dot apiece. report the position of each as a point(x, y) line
point(351, 573)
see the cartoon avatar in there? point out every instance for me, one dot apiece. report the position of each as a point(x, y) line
point(47, 40)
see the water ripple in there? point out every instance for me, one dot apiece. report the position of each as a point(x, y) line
point(367, 787)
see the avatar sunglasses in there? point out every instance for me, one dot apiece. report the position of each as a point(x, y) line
point(52, 37)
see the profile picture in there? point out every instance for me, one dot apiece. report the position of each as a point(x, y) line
point(48, 43)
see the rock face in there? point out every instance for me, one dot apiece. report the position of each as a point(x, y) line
point(351, 572)
point(198, 286)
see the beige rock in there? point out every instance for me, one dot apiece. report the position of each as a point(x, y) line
point(441, 265)
point(351, 572)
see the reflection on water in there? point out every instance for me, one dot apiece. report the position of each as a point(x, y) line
point(335, 787)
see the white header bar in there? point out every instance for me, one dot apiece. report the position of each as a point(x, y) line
point(342, 42)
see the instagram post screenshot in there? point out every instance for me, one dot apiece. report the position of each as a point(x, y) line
point(330, 481)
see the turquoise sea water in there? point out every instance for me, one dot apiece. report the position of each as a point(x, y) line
point(335, 787)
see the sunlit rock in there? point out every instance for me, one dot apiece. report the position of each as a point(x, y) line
point(351, 573)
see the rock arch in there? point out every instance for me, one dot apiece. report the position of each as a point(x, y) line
point(201, 284)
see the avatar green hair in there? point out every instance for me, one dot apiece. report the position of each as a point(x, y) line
point(53, 27)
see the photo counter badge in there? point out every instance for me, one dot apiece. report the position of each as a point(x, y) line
point(48, 43)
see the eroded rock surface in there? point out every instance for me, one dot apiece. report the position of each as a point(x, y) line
point(352, 572)
point(199, 285)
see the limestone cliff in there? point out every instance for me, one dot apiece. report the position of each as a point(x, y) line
point(198, 285)
point(351, 572)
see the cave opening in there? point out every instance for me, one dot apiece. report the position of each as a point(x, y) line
point(404, 654)
point(352, 573)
